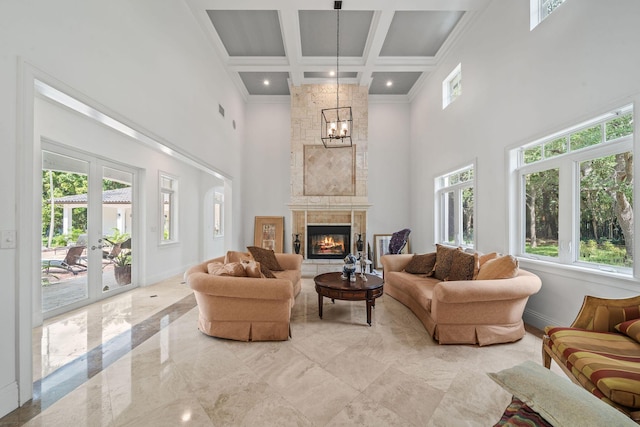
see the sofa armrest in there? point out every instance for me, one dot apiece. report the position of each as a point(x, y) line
point(395, 262)
point(241, 287)
point(523, 285)
point(290, 261)
point(201, 267)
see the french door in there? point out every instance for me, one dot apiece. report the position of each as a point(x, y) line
point(88, 242)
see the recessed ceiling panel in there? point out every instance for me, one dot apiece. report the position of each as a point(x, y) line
point(318, 32)
point(419, 33)
point(326, 75)
point(400, 82)
point(249, 32)
point(266, 83)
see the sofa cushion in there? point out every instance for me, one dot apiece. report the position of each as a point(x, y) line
point(421, 264)
point(483, 258)
point(444, 259)
point(464, 266)
point(630, 328)
point(418, 287)
point(236, 256)
point(266, 258)
point(605, 363)
point(504, 267)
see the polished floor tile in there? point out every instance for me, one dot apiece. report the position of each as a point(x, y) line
point(138, 359)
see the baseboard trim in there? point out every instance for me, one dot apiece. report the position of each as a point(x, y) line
point(538, 320)
point(8, 398)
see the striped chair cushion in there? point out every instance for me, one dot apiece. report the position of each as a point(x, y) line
point(605, 363)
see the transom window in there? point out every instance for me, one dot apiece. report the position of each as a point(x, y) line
point(452, 86)
point(455, 207)
point(168, 208)
point(576, 189)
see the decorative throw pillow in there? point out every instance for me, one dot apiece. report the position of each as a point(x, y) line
point(252, 268)
point(236, 256)
point(630, 328)
point(233, 269)
point(444, 258)
point(421, 264)
point(212, 267)
point(483, 258)
point(464, 266)
point(266, 258)
point(504, 267)
point(266, 272)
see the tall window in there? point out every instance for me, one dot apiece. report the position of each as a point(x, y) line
point(455, 207)
point(168, 208)
point(577, 194)
point(540, 9)
point(452, 86)
point(218, 210)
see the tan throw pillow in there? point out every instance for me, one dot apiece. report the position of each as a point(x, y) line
point(464, 266)
point(266, 258)
point(444, 258)
point(421, 264)
point(504, 267)
point(630, 328)
point(236, 256)
point(482, 259)
point(252, 268)
point(233, 269)
point(212, 267)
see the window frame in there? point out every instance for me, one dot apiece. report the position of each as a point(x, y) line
point(538, 11)
point(569, 184)
point(449, 93)
point(172, 191)
point(443, 187)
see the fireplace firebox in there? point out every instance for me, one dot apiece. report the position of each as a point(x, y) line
point(328, 241)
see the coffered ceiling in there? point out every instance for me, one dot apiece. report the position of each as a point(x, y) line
point(388, 46)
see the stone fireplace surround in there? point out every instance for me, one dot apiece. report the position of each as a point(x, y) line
point(328, 186)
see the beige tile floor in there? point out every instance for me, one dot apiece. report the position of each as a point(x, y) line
point(334, 371)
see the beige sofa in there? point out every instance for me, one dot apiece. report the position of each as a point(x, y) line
point(246, 308)
point(462, 311)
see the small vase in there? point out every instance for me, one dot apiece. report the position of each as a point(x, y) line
point(359, 243)
point(296, 244)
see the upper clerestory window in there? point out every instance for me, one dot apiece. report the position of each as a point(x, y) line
point(540, 9)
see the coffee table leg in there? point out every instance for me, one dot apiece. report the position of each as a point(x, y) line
point(320, 305)
point(369, 303)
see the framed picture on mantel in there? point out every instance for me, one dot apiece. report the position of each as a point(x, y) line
point(269, 233)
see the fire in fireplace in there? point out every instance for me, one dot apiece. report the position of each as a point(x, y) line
point(328, 241)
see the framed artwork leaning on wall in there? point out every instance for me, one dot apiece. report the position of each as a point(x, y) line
point(269, 233)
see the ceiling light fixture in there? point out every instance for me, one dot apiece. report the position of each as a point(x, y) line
point(336, 123)
point(266, 82)
point(389, 83)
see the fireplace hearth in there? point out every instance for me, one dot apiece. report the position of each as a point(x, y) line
point(328, 241)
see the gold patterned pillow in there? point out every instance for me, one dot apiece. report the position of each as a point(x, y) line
point(236, 256)
point(233, 269)
point(444, 259)
point(421, 264)
point(266, 258)
point(252, 268)
point(464, 266)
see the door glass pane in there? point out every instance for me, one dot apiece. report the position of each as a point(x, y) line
point(606, 211)
point(467, 216)
point(541, 207)
point(448, 215)
point(117, 203)
point(64, 277)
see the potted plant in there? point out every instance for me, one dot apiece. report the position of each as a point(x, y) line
point(122, 267)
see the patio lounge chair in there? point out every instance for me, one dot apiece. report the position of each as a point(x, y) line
point(71, 262)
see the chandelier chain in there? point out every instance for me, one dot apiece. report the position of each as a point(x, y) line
point(338, 60)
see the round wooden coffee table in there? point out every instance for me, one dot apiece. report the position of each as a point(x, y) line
point(330, 285)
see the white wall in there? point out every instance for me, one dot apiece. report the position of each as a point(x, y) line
point(140, 59)
point(266, 189)
point(519, 85)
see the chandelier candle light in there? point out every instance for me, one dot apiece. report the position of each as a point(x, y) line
point(336, 122)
